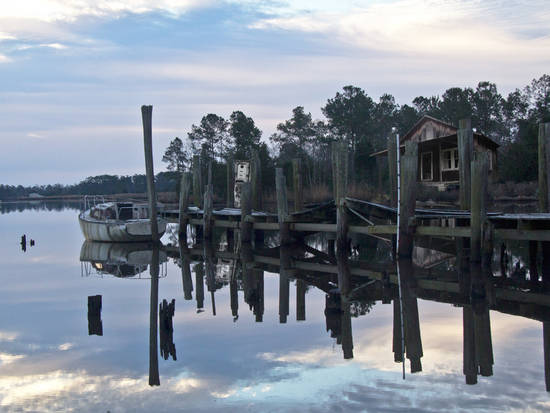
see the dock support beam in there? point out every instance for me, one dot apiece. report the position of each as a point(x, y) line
point(256, 191)
point(197, 181)
point(409, 168)
point(146, 115)
point(230, 197)
point(282, 207)
point(185, 192)
point(544, 193)
point(297, 184)
point(478, 217)
point(246, 212)
point(208, 221)
point(465, 153)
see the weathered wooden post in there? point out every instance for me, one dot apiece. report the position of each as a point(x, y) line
point(407, 202)
point(398, 339)
point(465, 139)
point(297, 184)
point(234, 298)
point(345, 322)
point(258, 276)
point(154, 379)
point(546, 345)
point(469, 363)
point(301, 287)
point(256, 191)
point(392, 168)
point(197, 181)
point(186, 272)
point(95, 326)
point(230, 196)
point(285, 258)
point(146, 115)
point(478, 215)
point(208, 221)
point(199, 285)
point(282, 207)
point(413, 340)
point(256, 180)
point(544, 193)
point(246, 213)
point(185, 192)
point(341, 191)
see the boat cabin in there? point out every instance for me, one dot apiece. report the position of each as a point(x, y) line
point(121, 211)
point(438, 152)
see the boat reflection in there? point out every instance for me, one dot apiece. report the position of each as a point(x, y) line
point(352, 287)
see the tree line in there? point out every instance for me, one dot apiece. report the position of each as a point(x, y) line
point(351, 116)
point(364, 124)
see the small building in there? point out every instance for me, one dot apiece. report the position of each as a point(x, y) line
point(438, 151)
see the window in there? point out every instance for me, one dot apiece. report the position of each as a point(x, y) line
point(449, 159)
point(426, 166)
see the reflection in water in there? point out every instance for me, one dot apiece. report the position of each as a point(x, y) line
point(95, 326)
point(166, 314)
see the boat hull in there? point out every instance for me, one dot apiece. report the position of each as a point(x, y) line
point(118, 231)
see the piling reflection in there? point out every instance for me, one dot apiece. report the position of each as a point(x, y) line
point(351, 287)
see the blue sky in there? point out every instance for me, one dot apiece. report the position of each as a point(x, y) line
point(75, 73)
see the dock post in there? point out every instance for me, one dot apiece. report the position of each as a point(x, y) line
point(345, 323)
point(478, 215)
point(285, 258)
point(186, 279)
point(208, 221)
point(297, 184)
point(95, 326)
point(546, 344)
point(392, 169)
point(465, 139)
point(341, 190)
point(246, 212)
point(282, 207)
point(146, 115)
point(301, 287)
point(185, 189)
point(407, 203)
point(256, 190)
point(199, 285)
point(544, 193)
point(154, 379)
point(197, 181)
point(230, 196)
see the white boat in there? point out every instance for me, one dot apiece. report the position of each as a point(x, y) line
point(118, 222)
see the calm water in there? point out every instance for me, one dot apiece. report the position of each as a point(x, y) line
point(49, 362)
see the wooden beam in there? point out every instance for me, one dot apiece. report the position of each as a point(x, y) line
point(147, 114)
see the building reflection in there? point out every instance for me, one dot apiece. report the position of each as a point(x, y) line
point(351, 287)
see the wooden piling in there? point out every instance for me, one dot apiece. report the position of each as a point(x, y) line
point(285, 257)
point(95, 326)
point(197, 181)
point(469, 363)
point(246, 212)
point(392, 169)
point(407, 203)
point(546, 346)
point(199, 285)
point(282, 207)
point(301, 287)
point(185, 262)
point(154, 379)
point(345, 322)
point(230, 196)
point(208, 220)
point(185, 192)
point(465, 138)
point(342, 220)
point(256, 181)
point(544, 166)
point(478, 216)
point(146, 115)
point(297, 184)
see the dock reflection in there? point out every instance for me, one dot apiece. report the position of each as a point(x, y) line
point(352, 287)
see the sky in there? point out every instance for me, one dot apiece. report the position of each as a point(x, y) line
point(73, 74)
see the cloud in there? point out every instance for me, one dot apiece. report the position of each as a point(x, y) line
point(425, 27)
point(61, 10)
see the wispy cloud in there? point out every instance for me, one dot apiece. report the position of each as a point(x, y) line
point(426, 27)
